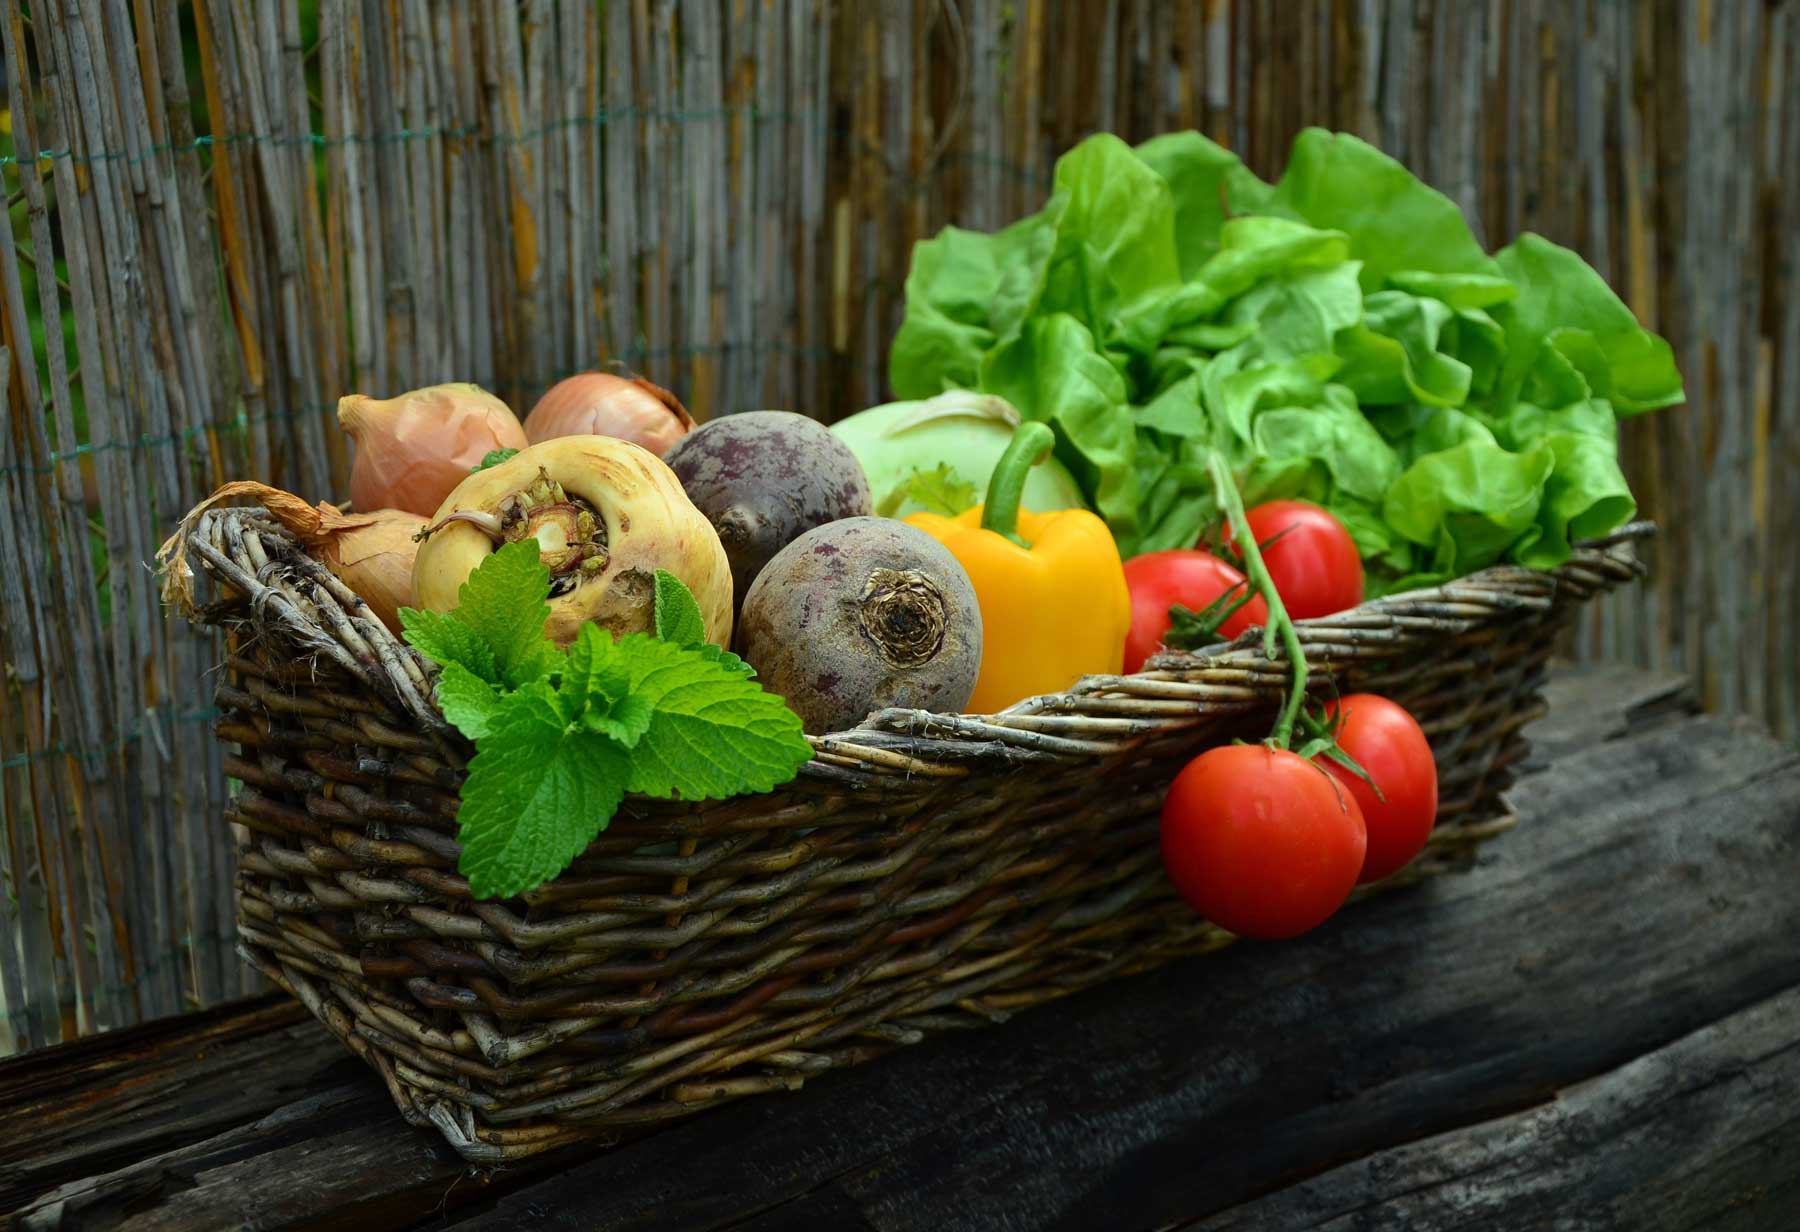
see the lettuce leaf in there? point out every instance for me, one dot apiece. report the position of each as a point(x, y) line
point(1394, 221)
point(1567, 318)
point(1468, 504)
point(1340, 335)
point(1054, 372)
point(1204, 181)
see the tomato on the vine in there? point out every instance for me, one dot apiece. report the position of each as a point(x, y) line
point(1260, 841)
point(1186, 576)
point(1386, 741)
point(1314, 563)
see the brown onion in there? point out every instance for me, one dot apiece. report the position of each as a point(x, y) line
point(601, 404)
point(411, 451)
point(376, 561)
point(316, 526)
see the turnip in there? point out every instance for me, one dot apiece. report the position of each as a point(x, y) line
point(861, 614)
point(763, 478)
point(606, 515)
point(961, 431)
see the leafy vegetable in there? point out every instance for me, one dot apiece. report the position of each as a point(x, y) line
point(941, 490)
point(1339, 336)
point(562, 736)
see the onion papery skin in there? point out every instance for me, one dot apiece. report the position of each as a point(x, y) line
point(413, 450)
point(603, 404)
point(376, 561)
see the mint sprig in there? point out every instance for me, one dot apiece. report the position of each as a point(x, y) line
point(497, 628)
point(562, 736)
point(678, 616)
point(678, 620)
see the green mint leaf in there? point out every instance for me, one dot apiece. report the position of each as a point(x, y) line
point(493, 457)
point(678, 616)
point(467, 700)
point(595, 689)
point(625, 721)
point(539, 790)
point(503, 601)
point(596, 673)
point(678, 620)
point(941, 490)
point(445, 640)
point(714, 733)
point(725, 659)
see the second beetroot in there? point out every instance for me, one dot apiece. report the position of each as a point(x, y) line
point(859, 615)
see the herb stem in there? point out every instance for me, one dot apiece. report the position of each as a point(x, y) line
point(1280, 624)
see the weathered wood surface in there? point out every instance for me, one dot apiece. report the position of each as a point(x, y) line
point(725, 196)
point(1598, 1022)
point(1702, 1133)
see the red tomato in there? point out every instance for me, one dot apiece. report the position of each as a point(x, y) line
point(1315, 565)
point(1260, 841)
point(1186, 576)
point(1384, 739)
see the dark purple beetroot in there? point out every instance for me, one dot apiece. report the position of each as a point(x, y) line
point(764, 478)
point(862, 614)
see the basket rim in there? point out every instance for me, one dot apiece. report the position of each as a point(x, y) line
point(247, 549)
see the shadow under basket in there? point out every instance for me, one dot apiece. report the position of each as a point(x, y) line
point(924, 872)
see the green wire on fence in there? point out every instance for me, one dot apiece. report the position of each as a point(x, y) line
point(59, 749)
point(816, 121)
point(177, 953)
point(243, 422)
point(598, 119)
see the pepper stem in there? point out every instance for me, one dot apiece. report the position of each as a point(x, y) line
point(1031, 444)
point(1280, 624)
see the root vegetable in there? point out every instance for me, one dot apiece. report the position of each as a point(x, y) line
point(376, 561)
point(317, 527)
point(860, 614)
point(960, 429)
point(602, 404)
point(606, 515)
point(765, 477)
point(413, 449)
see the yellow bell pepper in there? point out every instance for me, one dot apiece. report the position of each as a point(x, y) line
point(1051, 587)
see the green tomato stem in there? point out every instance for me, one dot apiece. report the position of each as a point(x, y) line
point(1031, 444)
point(1280, 625)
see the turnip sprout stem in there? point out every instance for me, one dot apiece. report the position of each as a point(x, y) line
point(1232, 505)
point(488, 523)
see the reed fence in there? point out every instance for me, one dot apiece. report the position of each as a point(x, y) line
point(226, 213)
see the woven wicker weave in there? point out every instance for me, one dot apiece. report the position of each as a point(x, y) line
point(924, 871)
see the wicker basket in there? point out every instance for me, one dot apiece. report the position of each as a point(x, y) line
point(924, 872)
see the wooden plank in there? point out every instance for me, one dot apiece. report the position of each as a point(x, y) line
point(251, 1107)
point(89, 1106)
point(1603, 701)
point(85, 1108)
point(1704, 1133)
